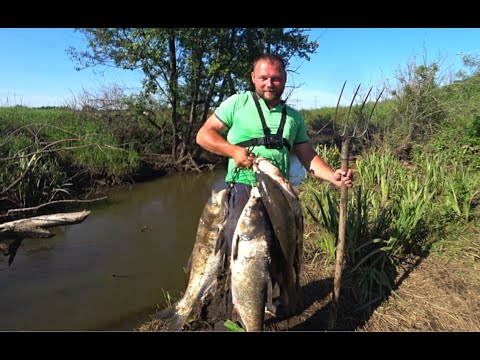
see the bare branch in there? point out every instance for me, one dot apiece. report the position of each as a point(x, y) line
point(12, 212)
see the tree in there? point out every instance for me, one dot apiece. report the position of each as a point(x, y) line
point(417, 108)
point(189, 71)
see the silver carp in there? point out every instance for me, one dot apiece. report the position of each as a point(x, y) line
point(207, 260)
point(284, 209)
point(249, 264)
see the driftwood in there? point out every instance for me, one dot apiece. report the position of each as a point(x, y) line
point(12, 233)
point(34, 227)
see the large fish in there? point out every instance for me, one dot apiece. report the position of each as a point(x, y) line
point(284, 209)
point(284, 227)
point(207, 260)
point(249, 264)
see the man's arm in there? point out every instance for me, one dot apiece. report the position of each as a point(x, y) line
point(212, 137)
point(318, 168)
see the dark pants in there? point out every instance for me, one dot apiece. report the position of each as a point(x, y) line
point(238, 199)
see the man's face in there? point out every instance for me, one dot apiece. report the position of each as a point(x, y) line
point(269, 81)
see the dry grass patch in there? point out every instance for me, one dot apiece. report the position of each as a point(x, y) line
point(442, 294)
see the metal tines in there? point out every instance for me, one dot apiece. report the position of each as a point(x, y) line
point(356, 124)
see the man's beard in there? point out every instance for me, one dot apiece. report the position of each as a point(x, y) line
point(271, 96)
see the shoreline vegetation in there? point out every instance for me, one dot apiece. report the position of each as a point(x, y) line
point(412, 247)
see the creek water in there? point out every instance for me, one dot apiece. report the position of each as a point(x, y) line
point(115, 268)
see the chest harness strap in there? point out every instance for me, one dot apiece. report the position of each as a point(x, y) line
point(270, 141)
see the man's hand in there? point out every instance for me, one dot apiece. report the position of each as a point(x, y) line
point(243, 158)
point(340, 177)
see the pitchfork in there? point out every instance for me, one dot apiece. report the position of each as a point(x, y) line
point(355, 127)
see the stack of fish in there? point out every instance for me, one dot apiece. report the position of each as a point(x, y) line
point(266, 249)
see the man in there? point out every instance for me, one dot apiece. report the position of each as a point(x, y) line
point(261, 124)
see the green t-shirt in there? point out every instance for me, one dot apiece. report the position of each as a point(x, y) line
point(241, 117)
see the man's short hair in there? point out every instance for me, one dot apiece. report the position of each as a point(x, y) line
point(274, 58)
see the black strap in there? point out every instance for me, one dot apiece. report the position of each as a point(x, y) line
point(260, 141)
point(266, 129)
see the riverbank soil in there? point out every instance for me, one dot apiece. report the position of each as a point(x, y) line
point(441, 294)
point(438, 292)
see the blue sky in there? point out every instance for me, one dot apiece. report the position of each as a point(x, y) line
point(36, 71)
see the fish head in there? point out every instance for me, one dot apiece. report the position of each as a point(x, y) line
point(264, 165)
point(257, 162)
point(217, 204)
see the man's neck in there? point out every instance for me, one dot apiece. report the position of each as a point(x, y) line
point(270, 104)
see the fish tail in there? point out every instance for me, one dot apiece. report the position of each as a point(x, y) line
point(166, 314)
point(174, 320)
point(176, 324)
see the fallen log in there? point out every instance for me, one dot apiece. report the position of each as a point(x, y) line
point(35, 227)
point(13, 232)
